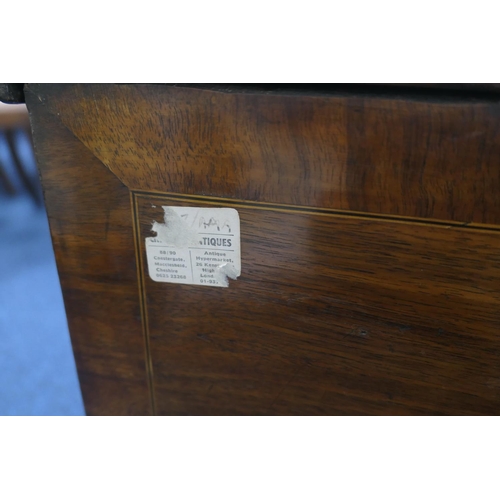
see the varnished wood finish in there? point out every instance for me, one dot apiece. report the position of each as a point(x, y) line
point(89, 216)
point(332, 315)
point(417, 158)
point(370, 270)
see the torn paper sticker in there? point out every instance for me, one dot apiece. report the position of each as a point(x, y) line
point(195, 246)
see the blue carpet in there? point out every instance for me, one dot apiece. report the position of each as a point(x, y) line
point(37, 368)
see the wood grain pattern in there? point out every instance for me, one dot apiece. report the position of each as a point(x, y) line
point(370, 267)
point(426, 158)
point(91, 227)
point(332, 315)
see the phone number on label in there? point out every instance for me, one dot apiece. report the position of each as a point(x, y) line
point(172, 276)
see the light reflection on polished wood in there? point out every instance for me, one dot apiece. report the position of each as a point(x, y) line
point(370, 266)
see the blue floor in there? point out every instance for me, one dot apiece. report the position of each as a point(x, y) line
point(37, 368)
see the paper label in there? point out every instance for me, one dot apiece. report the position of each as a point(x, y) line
point(195, 246)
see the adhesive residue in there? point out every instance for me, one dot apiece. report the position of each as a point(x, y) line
point(175, 230)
